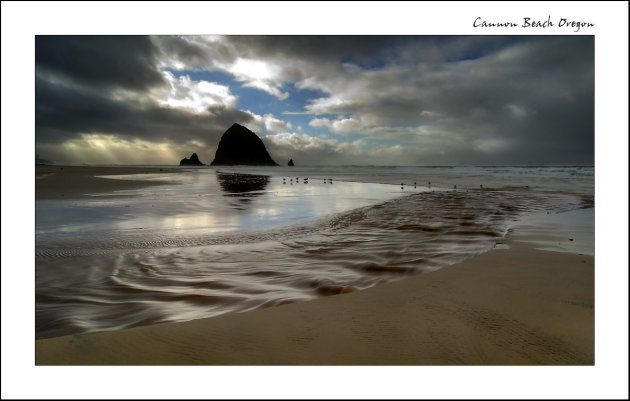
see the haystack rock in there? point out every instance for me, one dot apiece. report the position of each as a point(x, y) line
point(240, 146)
point(193, 161)
point(291, 163)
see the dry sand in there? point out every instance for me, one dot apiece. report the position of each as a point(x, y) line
point(516, 306)
point(72, 182)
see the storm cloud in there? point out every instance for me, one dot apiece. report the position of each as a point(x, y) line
point(453, 100)
point(105, 61)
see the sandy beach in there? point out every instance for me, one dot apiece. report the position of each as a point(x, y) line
point(386, 215)
point(515, 306)
point(74, 182)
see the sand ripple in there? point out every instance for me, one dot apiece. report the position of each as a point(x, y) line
point(140, 277)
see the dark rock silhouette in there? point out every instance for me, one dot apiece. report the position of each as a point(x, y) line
point(240, 146)
point(193, 161)
point(291, 163)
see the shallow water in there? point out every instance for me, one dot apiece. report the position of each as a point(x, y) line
point(570, 231)
point(224, 240)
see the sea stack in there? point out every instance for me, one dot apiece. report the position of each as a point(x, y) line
point(290, 163)
point(193, 161)
point(240, 146)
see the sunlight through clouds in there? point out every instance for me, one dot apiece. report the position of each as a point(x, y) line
point(110, 149)
point(340, 125)
point(258, 74)
point(195, 95)
point(268, 122)
point(417, 99)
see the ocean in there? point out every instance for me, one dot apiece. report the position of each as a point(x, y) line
point(230, 239)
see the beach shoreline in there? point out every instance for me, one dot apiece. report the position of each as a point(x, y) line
point(514, 306)
point(76, 182)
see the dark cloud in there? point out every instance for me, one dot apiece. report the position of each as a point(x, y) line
point(180, 49)
point(64, 113)
point(322, 48)
point(417, 100)
point(531, 100)
point(78, 78)
point(127, 62)
point(370, 51)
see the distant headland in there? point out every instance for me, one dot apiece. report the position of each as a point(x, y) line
point(39, 160)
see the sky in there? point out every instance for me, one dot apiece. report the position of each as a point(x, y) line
point(320, 100)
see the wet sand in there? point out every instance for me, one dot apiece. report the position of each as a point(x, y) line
point(74, 182)
point(515, 306)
